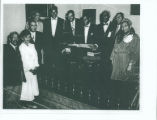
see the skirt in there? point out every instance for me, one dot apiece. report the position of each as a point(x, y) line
point(30, 87)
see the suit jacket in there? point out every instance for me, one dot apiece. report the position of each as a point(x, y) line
point(91, 38)
point(52, 44)
point(13, 70)
point(69, 37)
point(38, 44)
point(105, 39)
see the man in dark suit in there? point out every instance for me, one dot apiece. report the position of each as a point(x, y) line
point(117, 20)
point(37, 40)
point(72, 27)
point(87, 35)
point(53, 37)
point(88, 31)
point(12, 70)
point(105, 35)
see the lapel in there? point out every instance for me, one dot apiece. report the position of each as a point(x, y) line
point(12, 49)
point(108, 29)
point(57, 26)
point(69, 27)
point(102, 28)
point(49, 26)
point(89, 33)
point(36, 37)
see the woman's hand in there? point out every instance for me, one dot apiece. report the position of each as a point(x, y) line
point(34, 71)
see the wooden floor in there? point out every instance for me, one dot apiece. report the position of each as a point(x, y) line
point(47, 100)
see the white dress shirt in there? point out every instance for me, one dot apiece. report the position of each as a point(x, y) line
point(86, 30)
point(106, 26)
point(33, 35)
point(118, 28)
point(54, 25)
point(73, 26)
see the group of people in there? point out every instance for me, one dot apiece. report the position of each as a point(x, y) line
point(41, 43)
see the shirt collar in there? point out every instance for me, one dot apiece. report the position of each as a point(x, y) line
point(107, 23)
point(32, 32)
point(87, 25)
point(13, 46)
point(73, 21)
point(54, 19)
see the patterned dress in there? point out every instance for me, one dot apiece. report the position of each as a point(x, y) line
point(123, 53)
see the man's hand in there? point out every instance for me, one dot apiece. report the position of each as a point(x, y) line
point(129, 67)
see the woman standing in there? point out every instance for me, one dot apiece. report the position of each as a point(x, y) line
point(30, 65)
point(125, 54)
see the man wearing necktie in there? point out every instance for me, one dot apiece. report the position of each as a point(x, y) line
point(53, 37)
point(72, 27)
point(37, 40)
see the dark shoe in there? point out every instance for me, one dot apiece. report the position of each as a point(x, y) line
point(37, 98)
point(32, 106)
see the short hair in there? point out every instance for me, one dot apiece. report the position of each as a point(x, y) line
point(10, 36)
point(24, 33)
point(101, 15)
point(53, 8)
point(34, 12)
point(119, 13)
point(86, 15)
point(71, 11)
point(30, 21)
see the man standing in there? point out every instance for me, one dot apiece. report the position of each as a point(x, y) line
point(53, 36)
point(72, 27)
point(105, 35)
point(37, 40)
point(13, 74)
point(88, 31)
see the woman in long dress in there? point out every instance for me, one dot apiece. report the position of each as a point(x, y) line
point(125, 54)
point(30, 64)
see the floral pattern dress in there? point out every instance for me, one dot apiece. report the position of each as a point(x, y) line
point(125, 52)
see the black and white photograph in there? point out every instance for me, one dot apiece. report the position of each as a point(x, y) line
point(71, 56)
point(78, 60)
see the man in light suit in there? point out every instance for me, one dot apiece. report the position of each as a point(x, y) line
point(53, 37)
